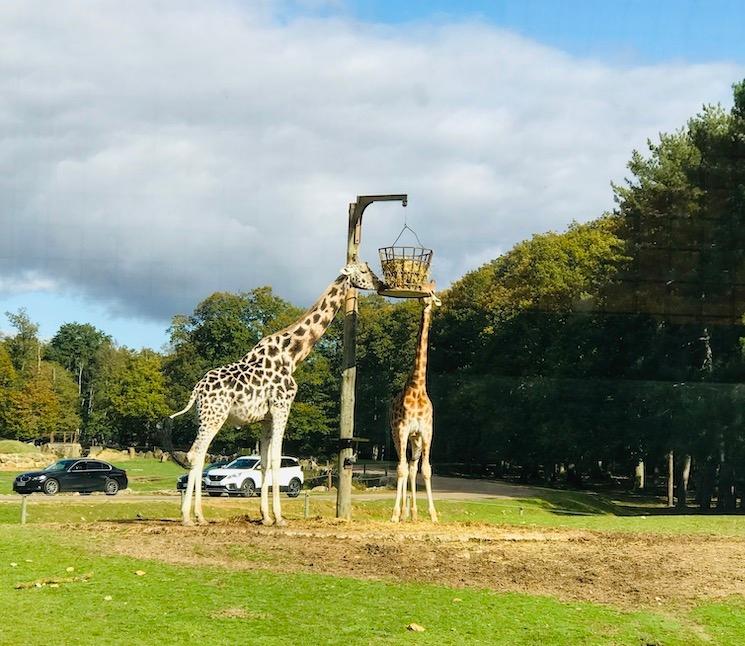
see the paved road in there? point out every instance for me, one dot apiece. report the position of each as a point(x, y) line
point(444, 488)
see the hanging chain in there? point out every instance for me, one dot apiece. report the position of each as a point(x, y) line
point(406, 226)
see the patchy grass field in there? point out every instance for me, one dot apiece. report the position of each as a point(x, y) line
point(172, 604)
point(558, 568)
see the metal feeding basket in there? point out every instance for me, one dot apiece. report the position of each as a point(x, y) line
point(406, 270)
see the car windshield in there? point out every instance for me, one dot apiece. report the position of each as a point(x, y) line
point(60, 465)
point(243, 463)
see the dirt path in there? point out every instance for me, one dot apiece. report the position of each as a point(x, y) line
point(624, 570)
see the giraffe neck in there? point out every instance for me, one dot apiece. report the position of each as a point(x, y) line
point(314, 323)
point(419, 373)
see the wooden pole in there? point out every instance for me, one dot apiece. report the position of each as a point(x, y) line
point(24, 500)
point(349, 358)
point(349, 373)
point(306, 507)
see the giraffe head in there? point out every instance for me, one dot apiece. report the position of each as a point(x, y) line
point(431, 300)
point(361, 276)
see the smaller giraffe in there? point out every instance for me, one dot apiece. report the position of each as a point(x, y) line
point(411, 423)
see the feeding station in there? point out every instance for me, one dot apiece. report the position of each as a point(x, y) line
point(406, 275)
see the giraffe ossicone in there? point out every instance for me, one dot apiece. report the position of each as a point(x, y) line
point(260, 388)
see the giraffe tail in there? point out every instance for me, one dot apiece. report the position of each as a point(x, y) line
point(177, 456)
point(188, 406)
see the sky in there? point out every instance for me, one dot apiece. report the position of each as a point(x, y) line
point(155, 152)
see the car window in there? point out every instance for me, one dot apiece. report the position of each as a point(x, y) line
point(94, 465)
point(59, 466)
point(288, 462)
point(80, 466)
point(243, 463)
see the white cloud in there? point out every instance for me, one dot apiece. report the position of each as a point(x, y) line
point(155, 152)
point(26, 281)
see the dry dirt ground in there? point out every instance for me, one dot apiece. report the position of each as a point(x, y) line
point(623, 570)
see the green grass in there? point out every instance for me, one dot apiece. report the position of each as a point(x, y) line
point(178, 605)
point(151, 475)
point(14, 446)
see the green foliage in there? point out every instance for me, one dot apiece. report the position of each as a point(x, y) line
point(130, 397)
point(43, 404)
point(7, 371)
point(24, 346)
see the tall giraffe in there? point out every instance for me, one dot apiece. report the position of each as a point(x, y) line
point(260, 387)
point(411, 422)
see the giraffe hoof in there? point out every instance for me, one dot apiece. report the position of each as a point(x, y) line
point(202, 521)
point(395, 519)
point(267, 521)
point(187, 522)
point(281, 523)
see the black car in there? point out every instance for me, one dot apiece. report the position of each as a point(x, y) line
point(181, 482)
point(80, 475)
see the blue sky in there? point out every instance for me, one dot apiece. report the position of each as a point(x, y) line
point(156, 153)
point(615, 30)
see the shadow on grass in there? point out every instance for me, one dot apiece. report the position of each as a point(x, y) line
point(593, 503)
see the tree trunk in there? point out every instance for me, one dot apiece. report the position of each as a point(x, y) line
point(683, 476)
point(705, 485)
point(670, 480)
point(639, 476)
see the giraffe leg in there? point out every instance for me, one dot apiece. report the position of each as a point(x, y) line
point(427, 475)
point(416, 452)
point(280, 413)
point(210, 422)
point(412, 484)
point(186, 502)
point(198, 488)
point(399, 440)
point(265, 448)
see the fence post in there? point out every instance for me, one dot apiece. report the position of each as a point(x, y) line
point(23, 509)
point(306, 510)
point(329, 478)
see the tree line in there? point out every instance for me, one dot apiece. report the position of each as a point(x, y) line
point(574, 354)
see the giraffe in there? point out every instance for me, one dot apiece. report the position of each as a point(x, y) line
point(260, 387)
point(411, 422)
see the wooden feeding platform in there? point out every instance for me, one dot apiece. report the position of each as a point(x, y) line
point(406, 272)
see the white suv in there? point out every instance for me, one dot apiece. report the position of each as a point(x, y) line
point(243, 477)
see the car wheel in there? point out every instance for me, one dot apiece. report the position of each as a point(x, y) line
point(248, 488)
point(51, 487)
point(293, 489)
point(111, 487)
point(214, 494)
